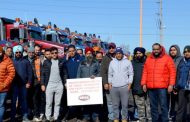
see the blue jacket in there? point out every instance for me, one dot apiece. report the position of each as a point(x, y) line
point(23, 71)
point(183, 74)
point(72, 65)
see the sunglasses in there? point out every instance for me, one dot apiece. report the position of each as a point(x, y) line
point(54, 53)
point(111, 47)
point(18, 52)
point(186, 51)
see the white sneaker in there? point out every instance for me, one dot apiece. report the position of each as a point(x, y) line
point(35, 119)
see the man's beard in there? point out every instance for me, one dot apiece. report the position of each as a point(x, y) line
point(89, 59)
point(139, 58)
point(156, 55)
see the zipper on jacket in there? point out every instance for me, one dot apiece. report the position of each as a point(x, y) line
point(154, 72)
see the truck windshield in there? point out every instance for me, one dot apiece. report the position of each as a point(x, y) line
point(79, 42)
point(64, 39)
point(14, 34)
point(88, 44)
point(35, 35)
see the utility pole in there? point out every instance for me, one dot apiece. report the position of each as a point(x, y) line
point(141, 19)
point(161, 23)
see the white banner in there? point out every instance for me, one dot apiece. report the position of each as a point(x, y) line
point(84, 91)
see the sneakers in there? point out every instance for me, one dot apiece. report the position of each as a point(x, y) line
point(84, 120)
point(96, 119)
point(25, 119)
point(115, 120)
point(124, 120)
point(42, 117)
point(36, 119)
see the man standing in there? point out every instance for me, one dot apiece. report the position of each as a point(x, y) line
point(120, 77)
point(72, 62)
point(7, 73)
point(89, 68)
point(141, 98)
point(21, 82)
point(104, 74)
point(159, 78)
point(183, 87)
point(52, 80)
point(99, 57)
point(175, 54)
point(9, 52)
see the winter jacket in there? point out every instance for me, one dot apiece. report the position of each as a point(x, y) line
point(104, 68)
point(85, 71)
point(178, 57)
point(183, 74)
point(46, 70)
point(7, 73)
point(23, 70)
point(72, 65)
point(159, 72)
point(138, 70)
point(120, 72)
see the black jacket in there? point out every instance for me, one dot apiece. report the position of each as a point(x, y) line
point(46, 70)
point(138, 70)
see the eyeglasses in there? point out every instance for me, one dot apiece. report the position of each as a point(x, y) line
point(54, 53)
point(18, 52)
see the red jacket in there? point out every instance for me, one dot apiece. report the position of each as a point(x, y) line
point(7, 73)
point(159, 72)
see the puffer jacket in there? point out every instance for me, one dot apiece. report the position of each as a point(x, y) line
point(7, 73)
point(159, 72)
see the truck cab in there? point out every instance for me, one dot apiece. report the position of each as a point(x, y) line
point(19, 33)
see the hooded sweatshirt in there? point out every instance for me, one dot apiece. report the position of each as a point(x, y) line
point(120, 72)
point(178, 57)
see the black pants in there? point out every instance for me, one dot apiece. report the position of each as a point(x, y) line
point(38, 100)
point(172, 104)
point(184, 100)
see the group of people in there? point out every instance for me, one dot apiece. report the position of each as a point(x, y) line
point(35, 81)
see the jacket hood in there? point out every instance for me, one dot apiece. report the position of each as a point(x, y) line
point(163, 52)
point(178, 50)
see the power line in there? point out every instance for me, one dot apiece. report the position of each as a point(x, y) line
point(70, 13)
point(77, 6)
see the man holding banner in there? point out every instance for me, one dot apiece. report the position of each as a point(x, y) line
point(89, 68)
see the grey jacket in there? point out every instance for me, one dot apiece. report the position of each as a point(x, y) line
point(120, 72)
point(85, 71)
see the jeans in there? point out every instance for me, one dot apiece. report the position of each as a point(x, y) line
point(158, 96)
point(91, 111)
point(110, 106)
point(2, 107)
point(20, 92)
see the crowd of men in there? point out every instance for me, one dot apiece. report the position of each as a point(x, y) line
point(35, 82)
